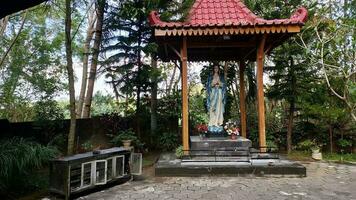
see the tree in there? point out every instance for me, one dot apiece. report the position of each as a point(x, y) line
point(289, 72)
point(333, 51)
point(33, 69)
point(86, 53)
point(100, 6)
point(128, 40)
point(291, 76)
point(68, 47)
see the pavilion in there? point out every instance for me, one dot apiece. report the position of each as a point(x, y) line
point(223, 30)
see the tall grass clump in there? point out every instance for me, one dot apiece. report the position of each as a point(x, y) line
point(20, 159)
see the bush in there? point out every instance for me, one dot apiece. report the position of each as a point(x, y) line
point(344, 144)
point(168, 141)
point(19, 159)
point(179, 151)
point(307, 145)
point(272, 145)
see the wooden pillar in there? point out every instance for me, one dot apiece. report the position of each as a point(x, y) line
point(260, 94)
point(185, 128)
point(242, 98)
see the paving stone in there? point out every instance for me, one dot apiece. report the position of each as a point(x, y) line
point(323, 181)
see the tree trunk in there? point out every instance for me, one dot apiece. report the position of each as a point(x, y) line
point(331, 138)
point(172, 79)
point(68, 46)
point(290, 127)
point(89, 36)
point(14, 40)
point(138, 84)
point(3, 25)
point(175, 86)
point(154, 100)
point(291, 106)
point(100, 5)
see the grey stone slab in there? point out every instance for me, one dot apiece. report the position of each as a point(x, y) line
point(166, 167)
point(323, 182)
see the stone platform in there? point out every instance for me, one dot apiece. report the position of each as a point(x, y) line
point(223, 156)
point(169, 165)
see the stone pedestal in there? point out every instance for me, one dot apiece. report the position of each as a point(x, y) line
point(218, 143)
point(219, 146)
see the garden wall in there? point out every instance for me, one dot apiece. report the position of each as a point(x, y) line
point(96, 129)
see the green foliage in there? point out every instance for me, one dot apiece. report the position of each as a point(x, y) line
point(179, 152)
point(272, 144)
point(351, 157)
point(47, 110)
point(34, 67)
point(87, 146)
point(19, 158)
point(168, 141)
point(307, 145)
point(127, 135)
point(198, 113)
point(344, 144)
point(103, 104)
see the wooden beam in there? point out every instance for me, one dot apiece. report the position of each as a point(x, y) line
point(176, 52)
point(185, 133)
point(260, 94)
point(242, 98)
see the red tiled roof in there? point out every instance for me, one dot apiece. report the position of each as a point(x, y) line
point(224, 13)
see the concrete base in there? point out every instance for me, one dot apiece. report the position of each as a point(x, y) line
point(211, 143)
point(169, 165)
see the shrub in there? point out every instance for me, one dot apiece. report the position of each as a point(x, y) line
point(87, 146)
point(344, 144)
point(179, 151)
point(19, 158)
point(272, 145)
point(168, 141)
point(307, 145)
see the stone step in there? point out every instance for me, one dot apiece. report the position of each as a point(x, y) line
point(220, 153)
point(217, 159)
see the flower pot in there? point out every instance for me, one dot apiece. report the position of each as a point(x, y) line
point(233, 137)
point(317, 156)
point(126, 143)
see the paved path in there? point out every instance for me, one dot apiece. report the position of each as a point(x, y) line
point(324, 181)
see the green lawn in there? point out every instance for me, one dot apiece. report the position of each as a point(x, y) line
point(340, 157)
point(306, 156)
point(300, 156)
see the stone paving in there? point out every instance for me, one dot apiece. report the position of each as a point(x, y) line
point(324, 181)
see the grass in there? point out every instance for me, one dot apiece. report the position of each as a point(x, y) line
point(306, 156)
point(300, 155)
point(150, 158)
point(349, 157)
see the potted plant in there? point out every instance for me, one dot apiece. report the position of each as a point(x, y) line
point(311, 145)
point(316, 154)
point(125, 138)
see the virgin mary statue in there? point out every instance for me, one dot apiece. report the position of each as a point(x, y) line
point(216, 99)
